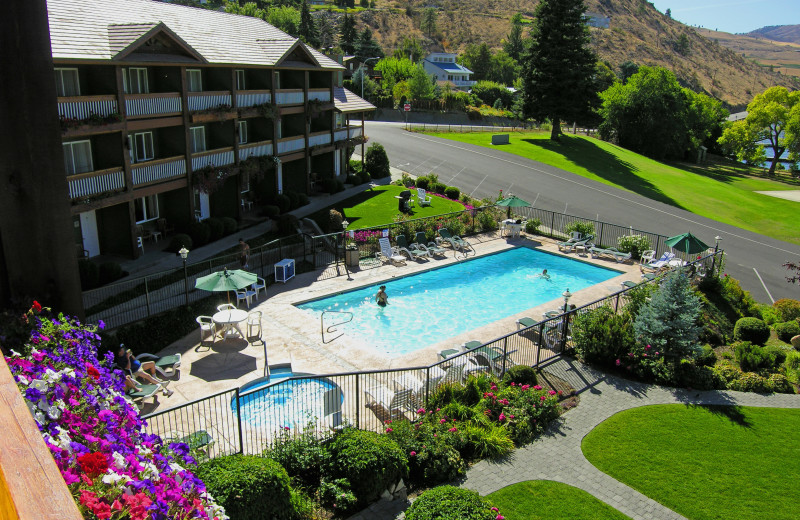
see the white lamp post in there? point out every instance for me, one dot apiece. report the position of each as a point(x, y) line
point(364, 72)
point(567, 295)
point(184, 254)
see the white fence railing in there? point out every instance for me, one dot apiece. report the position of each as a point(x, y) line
point(222, 158)
point(319, 95)
point(85, 107)
point(251, 98)
point(319, 139)
point(289, 97)
point(95, 183)
point(137, 105)
point(206, 100)
point(160, 170)
point(291, 145)
point(255, 150)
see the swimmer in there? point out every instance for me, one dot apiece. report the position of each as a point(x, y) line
point(544, 275)
point(380, 298)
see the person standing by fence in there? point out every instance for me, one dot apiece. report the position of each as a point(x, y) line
point(244, 253)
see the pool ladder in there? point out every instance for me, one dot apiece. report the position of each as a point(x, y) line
point(330, 329)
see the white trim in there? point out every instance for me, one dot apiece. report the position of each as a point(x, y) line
point(69, 162)
point(240, 85)
point(242, 132)
point(189, 74)
point(135, 147)
point(145, 212)
point(193, 141)
point(126, 80)
point(60, 81)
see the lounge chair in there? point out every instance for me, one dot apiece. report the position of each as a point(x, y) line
point(396, 403)
point(573, 243)
point(138, 396)
point(455, 241)
point(493, 359)
point(659, 264)
point(525, 322)
point(167, 366)
point(388, 253)
point(432, 248)
point(332, 408)
point(420, 385)
point(648, 256)
point(450, 352)
point(613, 252)
point(422, 198)
point(409, 249)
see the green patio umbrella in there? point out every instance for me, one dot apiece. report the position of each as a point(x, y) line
point(513, 201)
point(686, 243)
point(226, 281)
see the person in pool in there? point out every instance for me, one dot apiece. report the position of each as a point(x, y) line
point(544, 275)
point(380, 298)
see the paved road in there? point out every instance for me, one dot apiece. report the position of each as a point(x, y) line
point(754, 259)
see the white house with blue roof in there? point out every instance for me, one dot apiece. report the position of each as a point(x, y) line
point(444, 69)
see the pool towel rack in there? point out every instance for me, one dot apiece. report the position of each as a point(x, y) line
point(330, 329)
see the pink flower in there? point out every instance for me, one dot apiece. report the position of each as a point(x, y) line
point(537, 387)
point(442, 421)
point(450, 430)
point(502, 417)
point(413, 454)
point(551, 392)
point(499, 517)
point(619, 362)
point(389, 430)
point(647, 347)
point(656, 353)
point(421, 411)
point(495, 510)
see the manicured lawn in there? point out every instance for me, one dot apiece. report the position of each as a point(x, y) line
point(722, 192)
point(379, 206)
point(722, 462)
point(548, 500)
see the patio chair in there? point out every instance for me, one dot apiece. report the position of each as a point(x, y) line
point(260, 285)
point(420, 385)
point(207, 328)
point(613, 252)
point(573, 243)
point(493, 360)
point(431, 247)
point(200, 440)
point(226, 307)
point(413, 253)
point(245, 295)
point(423, 199)
point(400, 402)
point(388, 253)
point(332, 408)
point(661, 263)
point(254, 325)
point(167, 366)
point(648, 256)
point(455, 241)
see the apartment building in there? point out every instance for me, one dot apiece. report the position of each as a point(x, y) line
point(157, 99)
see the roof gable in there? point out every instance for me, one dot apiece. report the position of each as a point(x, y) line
point(297, 54)
point(149, 41)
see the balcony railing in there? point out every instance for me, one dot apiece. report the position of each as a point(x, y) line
point(206, 100)
point(255, 150)
point(249, 98)
point(319, 138)
point(462, 82)
point(320, 94)
point(82, 107)
point(96, 182)
point(289, 97)
point(291, 144)
point(158, 170)
point(218, 157)
point(156, 104)
point(347, 133)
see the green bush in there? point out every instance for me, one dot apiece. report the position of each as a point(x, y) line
point(633, 244)
point(89, 273)
point(532, 226)
point(294, 199)
point(602, 336)
point(216, 227)
point(585, 228)
point(334, 224)
point(200, 233)
point(786, 331)
point(690, 375)
point(407, 180)
point(740, 381)
point(437, 187)
point(287, 225)
point(178, 242)
point(339, 186)
point(229, 225)
point(706, 356)
point(432, 458)
point(110, 272)
point(422, 182)
point(355, 166)
point(492, 442)
point(487, 221)
point(302, 199)
point(283, 202)
point(450, 503)
point(271, 211)
point(370, 461)
point(376, 162)
point(521, 375)
point(302, 456)
point(752, 330)
point(769, 314)
point(337, 495)
point(787, 308)
point(752, 358)
point(451, 192)
point(353, 179)
point(364, 178)
point(249, 487)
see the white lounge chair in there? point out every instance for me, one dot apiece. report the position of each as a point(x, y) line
point(396, 403)
point(423, 199)
point(613, 252)
point(388, 253)
point(661, 263)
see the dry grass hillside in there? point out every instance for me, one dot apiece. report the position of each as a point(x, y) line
point(637, 32)
point(779, 33)
point(782, 57)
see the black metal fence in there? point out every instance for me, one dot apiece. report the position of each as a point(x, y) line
point(247, 421)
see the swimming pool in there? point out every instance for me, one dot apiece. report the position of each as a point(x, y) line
point(289, 403)
point(432, 306)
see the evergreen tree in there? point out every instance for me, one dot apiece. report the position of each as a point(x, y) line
point(558, 67)
point(668, 322)
point(428, 23)
point(326, 32)
point(348, 35)
point(514, 45)
point(366, 47)
point(626, 70)
point(478, 59)
point(308, 29)
point(410, 48)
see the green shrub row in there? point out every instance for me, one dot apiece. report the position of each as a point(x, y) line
point(93, 275)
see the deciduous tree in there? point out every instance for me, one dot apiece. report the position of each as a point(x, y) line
point(394, 70)
point(410, 48)
point(420, 84)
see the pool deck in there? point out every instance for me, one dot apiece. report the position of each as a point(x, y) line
point(290, 337)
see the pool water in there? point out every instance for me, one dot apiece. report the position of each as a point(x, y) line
point(429, 307)
point(289, 403)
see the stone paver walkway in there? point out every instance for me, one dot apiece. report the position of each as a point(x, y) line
point(557, 454)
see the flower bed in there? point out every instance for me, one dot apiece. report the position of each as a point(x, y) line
point(113, 469)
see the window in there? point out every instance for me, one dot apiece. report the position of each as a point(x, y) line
point(142, 149)
point(277, 79)
point(338, 120)
point(194, 80)
point(279, 129)
point(242, 132)
point(67, 83)
point(134, 80)
point(240, 84)
point(78, 157)
point(245, 182)
point(146, 208)
point(197, 137)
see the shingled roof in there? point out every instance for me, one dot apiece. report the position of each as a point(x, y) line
point(100, 30)
point(346, 102)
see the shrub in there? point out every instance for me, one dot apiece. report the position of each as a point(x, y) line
point(602, 336)
point(740, 300)
point(335, 220)
point(287, 225)
point(786, 331)
point(451, 192)
point(352, 179)
point(283, 202)
point(271, 211)
point(355, 166)
point(339, 186)
point(364, 178)
point(216, 229)
point(407, 180)
point(422, 182)
point(179, 241)
point(633, 244)
point(486, 221)
point(532, 226)
point(200, 233)
point(376, 162)
point(432, 458)
point(229, 225)
point(248, 486)
point(769, 314)
point(437, 187)
point(706, 356)
point(370, 461)
point(450, 503)
point(752, 330)
point(301, 456)
point(474, 113)
point(521, 375)
point(89, 273)
point(487, 442)
point(337, 495)
point(752, 358)
point(585, 228)
point(109, 272)
point(740, 381)
point(788, 309)
point(690, 375)
point(294, 199)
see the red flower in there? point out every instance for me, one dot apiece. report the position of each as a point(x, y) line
point(92, 371)
point(36, 306)
point(93, 464)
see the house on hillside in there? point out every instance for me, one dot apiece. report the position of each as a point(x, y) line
point(172, 114)
point(443, 68)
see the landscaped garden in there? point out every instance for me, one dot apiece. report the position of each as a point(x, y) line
point(704, 462)
point(549, 500)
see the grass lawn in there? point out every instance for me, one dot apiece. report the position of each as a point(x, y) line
point(379, 206)
point(722, 462)
point(549, 500)
point(720, 191)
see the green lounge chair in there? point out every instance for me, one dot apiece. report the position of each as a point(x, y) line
point(431, 247)
point(572, 243)
point(613, 252)
point(143, 393)
point(455, 241)
point(410, 250)
point(167, 366)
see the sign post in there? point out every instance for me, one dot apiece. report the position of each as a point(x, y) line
point(407, 109)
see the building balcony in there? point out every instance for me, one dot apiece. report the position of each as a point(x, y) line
point(319, 94)
point(250, 98)
point(258, 149)
point(207, 100)
point(158, 170)
point(319, 138)
point(88, 184)
point(347, 133)
point(462, 82)
point(291, 144)
point(290, 97)
point(156, 104)
point(218, 157)
point(86, 107)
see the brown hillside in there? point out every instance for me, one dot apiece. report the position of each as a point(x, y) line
point(779, 33)
point(637, 32)
point(782, 57)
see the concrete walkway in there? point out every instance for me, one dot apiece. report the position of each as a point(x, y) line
point(557, 454)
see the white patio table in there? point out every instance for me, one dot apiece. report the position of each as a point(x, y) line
point(230, 321)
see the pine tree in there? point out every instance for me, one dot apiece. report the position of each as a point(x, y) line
point(308, 29)
point(514, 45)
point(428, 23)
point(348, 35)
point(366, 47)
point(558, 67)
point(326, 31)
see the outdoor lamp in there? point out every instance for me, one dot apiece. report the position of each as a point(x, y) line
point(567, 295)
point(185, 253)
point(345, 224)
point(718, 239)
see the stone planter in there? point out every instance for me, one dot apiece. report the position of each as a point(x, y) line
point(351, 257)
